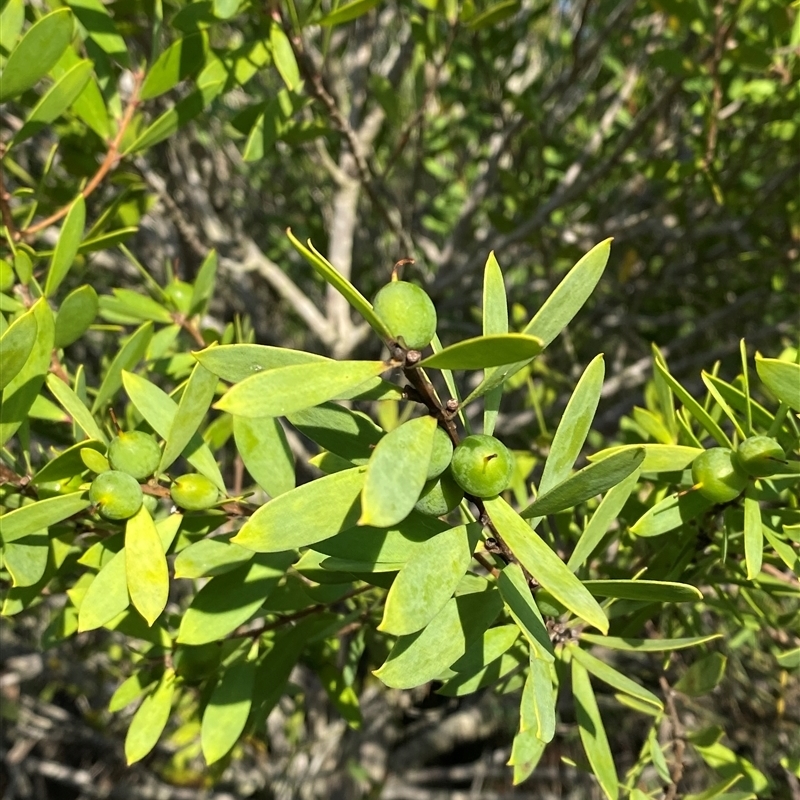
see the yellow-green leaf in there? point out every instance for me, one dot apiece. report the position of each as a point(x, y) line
point(485, 351)
point(40, 515)
point(16, 345)
point(146, 566)
point(227, 710)
point(150, 719)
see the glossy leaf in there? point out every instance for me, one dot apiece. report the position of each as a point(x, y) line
point(74, 406)
point(194, 404)
point(16, 345)
point(782, 378)
point(753, 537)
point(428, 579)
point(657, 457)
point(262, 444)
point(485, 351)
point(128, 356)
point(68, 463)
point(131, 689)
point(236, 362)
point(348, 12)
point(646, 591)
point(396, 473)
point(12, 18)
point(586, 483)
point(146, 566)
point(703, 675)
point(107, 596)
point(647, 645)
point(419, 657)
point(94, 17)
point(227, 710)
point(183, 57)
point(613, 677)
point(37, 516)
point(36, 53)
point(592, 731)
point(495, 321)
point(283, 56)
point(210, 557)
point(604, 515)
point(543, 564)
point(67, 246)
point(672, 512)
point(150, 719)
point(284, 390)
point(523, 609)
point(228, 601)
point(26, 559)
point(305, 515)
point(76, 313)
point(22, 390)
point(159, 409)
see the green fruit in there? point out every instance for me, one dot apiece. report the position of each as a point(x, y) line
point(180, 293)
point(717, 476)
point(136, 453)
point(194, 492)
point(116, 494)
point(482, 465)
point(758, 455)
point(7, 277)
point(407, 312)
point(439, 496)
point(441, 455)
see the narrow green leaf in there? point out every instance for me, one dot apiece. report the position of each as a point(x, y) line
point(228, 601)
point(526, 752)
point(150, 719)
point(265, 451)
point(703, 676)
point(613, 677)
point(428, 579)
point(193, 406)
point(592, 731)
point(586, 483)
point(68, 463)
point(671, 513)
point(719, 791)
point(305, 515)
point(42, 514)
point(785, 551)
point(159, 409)
point(782, 378)
point(74, 406)
point(12, 18)
point(493, 15)
point(227, 710)
point(204, 284)
point(26, 559)
point(463, 683)
point(21, 391)
point(67, 246)
point(129, 355)
point(76, 313)
point(236, 362)
point(284, 390)
point(146, 566)
point(543, 564)
point(210, 557)
point(495, 321)
point(753, 537)
point(94, 17)
point(489, 646)
point(540, 698)
point(647, 645)
point(36, 53)
point(107, 596)
point(396, 473)
point(16, 345)
point(131, 689)
point(485, 351)
point(646, 591)
point(523, 609)
point(419, 657)
point(183, 57)
point(657, 457)
point(693, 407)
point(283, 56)
point(721, 402)
point(604, 515)
point(348, 11)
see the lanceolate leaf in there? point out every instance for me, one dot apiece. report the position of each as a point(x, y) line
point(396, 473)
point(495, 321)
point(586, 483)
point(178, 61)
point(230, 600)
point(150, 719)
point(657, 457)
point(68, 463)
point(782, 378)
point(204, 284)
point(308, 514)
point(543, 564)
point(265, 451)
point(129, 355)
point(16, 345)
point(428, 579)
point(592, 731)
point(67, 246)
point(193, 406)
point(283, 56)
point(146, 566)
point(647, 591)
point(235, 362)
point(74, 406)
point(107, 595)
point(753, 537)
point(671, 513)
point(40, 515)
point(94, 17)
point(485, 351)
point(522, 606)
point(75, 315)
point(647, 645)
point(537, 708)
point(210, 557)
point(283, 390)
point(225, 715)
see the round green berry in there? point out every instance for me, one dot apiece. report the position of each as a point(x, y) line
point(136, 453)
point(180, 293)
point(194, 492)
point(482, 465)
point(717, 476)
point(7, 277)
point(116, 494)
point(441, 454)
point(439, 496)
point(408, 313)
point(758, 456)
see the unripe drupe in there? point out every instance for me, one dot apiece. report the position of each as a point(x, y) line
point(717, 476)
point(482, 465)
point(134, 452)
point(194, 492)
point(116, 494)
point(758, 456)
point(408, 313)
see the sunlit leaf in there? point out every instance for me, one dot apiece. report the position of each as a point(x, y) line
point(16, 345)
point(150, 719)
point(495, 321)
point(647, 645)
point(484, 351)
point(146, 566)
point(265, 451)
point(348, 12)
point(657, 457)
point(671, 513)
point(42, 514)
point(75, 314)
point(782, 378)
point(183, 57)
